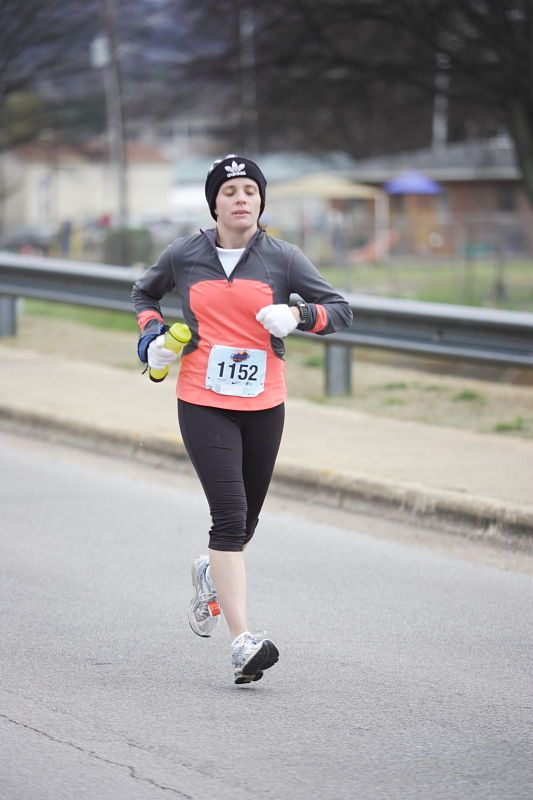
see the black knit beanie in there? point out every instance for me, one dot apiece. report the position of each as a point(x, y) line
point(232, 166)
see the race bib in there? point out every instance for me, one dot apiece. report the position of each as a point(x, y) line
point(236, 371)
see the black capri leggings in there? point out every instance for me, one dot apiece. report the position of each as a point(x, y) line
point(234, 453)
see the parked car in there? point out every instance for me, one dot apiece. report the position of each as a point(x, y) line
point(31, 239)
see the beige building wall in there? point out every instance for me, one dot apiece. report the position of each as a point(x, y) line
point(44, 193)
point(150, 190)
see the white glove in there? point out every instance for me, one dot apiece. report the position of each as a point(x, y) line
point(158, 355)
point(278, 319)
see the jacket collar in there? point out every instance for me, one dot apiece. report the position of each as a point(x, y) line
point(211, 235)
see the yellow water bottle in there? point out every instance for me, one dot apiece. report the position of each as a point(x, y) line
point(177, 335)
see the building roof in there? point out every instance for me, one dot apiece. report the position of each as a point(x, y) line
point(136, 152)
point(491, 159)
point(472, 160)
point(324, 185)
point(277, 167)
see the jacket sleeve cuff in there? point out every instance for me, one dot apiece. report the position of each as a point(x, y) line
point(151, 332)
point(311, 318)
point(317, 319)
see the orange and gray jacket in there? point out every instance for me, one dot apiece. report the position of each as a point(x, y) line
point(222, 310)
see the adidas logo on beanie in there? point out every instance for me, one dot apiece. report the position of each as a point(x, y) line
point(232, 166)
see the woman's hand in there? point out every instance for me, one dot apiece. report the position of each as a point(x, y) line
point(279, 320)
point(158, 355)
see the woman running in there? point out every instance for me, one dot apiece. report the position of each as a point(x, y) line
point(234, 282)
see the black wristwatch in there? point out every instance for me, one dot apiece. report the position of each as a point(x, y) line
point(304, 312)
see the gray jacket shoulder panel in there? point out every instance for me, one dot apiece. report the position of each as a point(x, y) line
point(190, 259)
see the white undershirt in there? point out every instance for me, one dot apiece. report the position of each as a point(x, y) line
point(228, 258)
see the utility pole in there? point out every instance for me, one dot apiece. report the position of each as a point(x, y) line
point(440, 103)
point(247, 70)
point(104, 56)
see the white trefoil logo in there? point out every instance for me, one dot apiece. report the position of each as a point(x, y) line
point(235, 170)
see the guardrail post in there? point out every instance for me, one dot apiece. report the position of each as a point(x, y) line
point(8, 315)
point(338, 369)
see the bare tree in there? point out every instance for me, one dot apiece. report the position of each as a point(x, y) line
point(485, 46)
point(363, 75)
point(39, 48)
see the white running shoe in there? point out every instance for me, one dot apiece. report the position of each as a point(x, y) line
point(250, 655)
point(204, 609)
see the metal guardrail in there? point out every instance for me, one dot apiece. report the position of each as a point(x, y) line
point(435, 330)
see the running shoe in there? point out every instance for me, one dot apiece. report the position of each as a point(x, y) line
point(204, 609)
point(250, 655)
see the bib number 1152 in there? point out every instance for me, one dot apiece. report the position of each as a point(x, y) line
point(236, 371)
point(243, 372)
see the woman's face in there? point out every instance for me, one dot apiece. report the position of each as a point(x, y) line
point(237, 205)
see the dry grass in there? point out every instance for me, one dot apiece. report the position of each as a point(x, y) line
point(383, 389)
point(424, 395)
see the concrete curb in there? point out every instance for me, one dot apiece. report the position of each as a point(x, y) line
point(468, 515)
point(475, 517)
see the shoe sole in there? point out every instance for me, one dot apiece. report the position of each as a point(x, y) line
point(264, 658)
point(240, 678)
point(192, 622)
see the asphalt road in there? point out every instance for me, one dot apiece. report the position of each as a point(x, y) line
point(405, 668)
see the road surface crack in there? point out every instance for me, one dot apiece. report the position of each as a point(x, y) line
point(92, 754)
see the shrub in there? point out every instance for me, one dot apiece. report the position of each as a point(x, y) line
point(128, 246)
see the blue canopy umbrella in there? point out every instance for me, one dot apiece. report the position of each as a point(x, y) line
point(412, 182)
